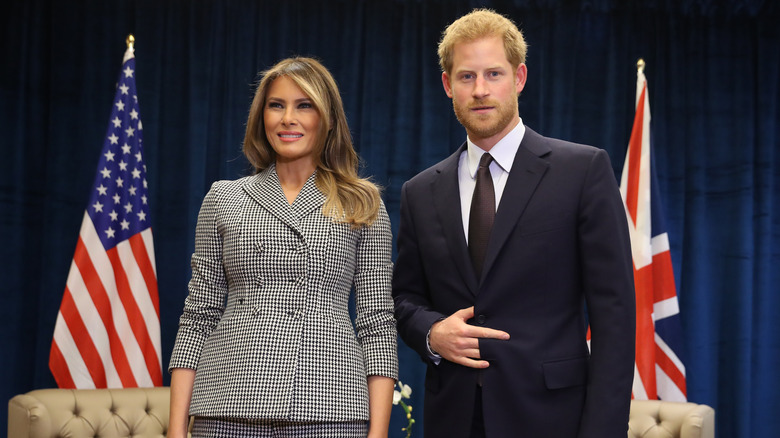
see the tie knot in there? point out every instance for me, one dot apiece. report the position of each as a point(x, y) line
point(485, 160)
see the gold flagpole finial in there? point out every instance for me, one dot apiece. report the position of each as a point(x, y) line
point(640, 65)
point(130, 41)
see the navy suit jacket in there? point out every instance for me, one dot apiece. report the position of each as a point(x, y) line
point(560, 243)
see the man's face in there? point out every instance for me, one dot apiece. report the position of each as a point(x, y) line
point(484, 88)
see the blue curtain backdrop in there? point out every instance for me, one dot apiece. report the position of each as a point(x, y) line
point(714, 73)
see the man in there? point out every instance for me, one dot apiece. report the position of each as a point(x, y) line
point(493, 295)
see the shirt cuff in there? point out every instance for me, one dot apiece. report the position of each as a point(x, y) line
point(432, 355)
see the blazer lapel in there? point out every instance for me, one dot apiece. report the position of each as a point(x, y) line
point(528, 169)
point(309, 198)
point(266, 190)
point(446, 201)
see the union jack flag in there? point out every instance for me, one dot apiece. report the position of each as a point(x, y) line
point(107, 333)
point(659, 372)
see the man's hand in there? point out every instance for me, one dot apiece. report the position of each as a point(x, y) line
point(458, 342)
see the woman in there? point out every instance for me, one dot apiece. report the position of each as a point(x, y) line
point(266, 323)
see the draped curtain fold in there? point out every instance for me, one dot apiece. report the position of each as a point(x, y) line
point(714, 72)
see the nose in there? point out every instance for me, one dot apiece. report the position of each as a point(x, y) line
point(288, 117)
point(480, 88)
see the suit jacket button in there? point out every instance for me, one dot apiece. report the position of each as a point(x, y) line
point(481, 319)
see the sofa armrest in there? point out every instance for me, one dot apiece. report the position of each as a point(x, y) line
point(655, 418)
point(27, 416)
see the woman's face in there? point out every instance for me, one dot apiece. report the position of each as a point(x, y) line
point(291, 121)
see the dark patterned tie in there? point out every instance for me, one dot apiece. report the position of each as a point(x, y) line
point(483, 211)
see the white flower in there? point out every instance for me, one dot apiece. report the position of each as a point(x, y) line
point(406, 390)
point(398, 396)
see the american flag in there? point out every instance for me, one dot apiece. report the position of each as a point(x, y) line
point(659, 373)
point(107, 333)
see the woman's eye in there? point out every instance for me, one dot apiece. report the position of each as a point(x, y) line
point(305, 105)
point(274, 105)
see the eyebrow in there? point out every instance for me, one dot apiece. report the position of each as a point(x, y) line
point(278, 99)
point(471, 70)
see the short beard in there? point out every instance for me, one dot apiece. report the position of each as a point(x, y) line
point(478, 130)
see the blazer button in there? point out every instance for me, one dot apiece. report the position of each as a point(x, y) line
point(481, 319)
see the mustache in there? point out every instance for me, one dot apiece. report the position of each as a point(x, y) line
point(482, 104)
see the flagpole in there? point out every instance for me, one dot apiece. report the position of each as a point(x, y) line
point(640, 65)
point(130, 41)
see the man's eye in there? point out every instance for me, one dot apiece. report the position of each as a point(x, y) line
point(467, 77)
point(494, 74)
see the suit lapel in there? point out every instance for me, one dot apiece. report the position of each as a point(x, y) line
point(266, 190)
point(309, 199)
point(446, 201)
point(528, 169)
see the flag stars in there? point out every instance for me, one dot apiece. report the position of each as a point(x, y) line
point(138, 156)
point(114, 215)
point(134, 114)
point(141, 216)
point(106, 173)
point(126, 149)
point(125, 224)
point(132, 190)
point(143, 199)
point(128, 72)
point(113, 138)
point(128, 208)
point(145, 185)
point(117, 122)
point(130, 131)
point(102, 190)
point(109, 156)
point(98, 207)
point(120, 182)
point(110, 233)
point(124, 88)
point(136, 173)
point(120, 106)
point(117, 198)
point(122, 165)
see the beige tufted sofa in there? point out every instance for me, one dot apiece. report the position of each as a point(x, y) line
point(657, 419)
point(54, 413)
point(143, 412)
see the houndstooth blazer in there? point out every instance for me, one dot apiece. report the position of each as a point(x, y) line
point(266, 324)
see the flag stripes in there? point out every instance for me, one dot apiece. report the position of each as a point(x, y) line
point(107, 333)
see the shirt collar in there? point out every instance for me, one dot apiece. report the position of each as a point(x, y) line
point(503, 152)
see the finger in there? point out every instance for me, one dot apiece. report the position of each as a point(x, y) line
point(472, 353)
point(494, 334)
point(464, 344)
point(484, 332)
point(471, 363)
point(466, 313)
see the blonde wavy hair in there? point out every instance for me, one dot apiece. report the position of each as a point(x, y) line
point(348, 197)
point(477, 24)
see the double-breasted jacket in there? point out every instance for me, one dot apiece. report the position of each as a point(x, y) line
point(266, 324)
